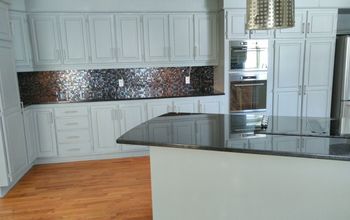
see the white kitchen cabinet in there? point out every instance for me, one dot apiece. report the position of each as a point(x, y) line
point(15, 142)
point(182, 37)
point(29, 129)
point(21, 41)
point(159, 107)
point(211, 105)
point(185, 106)
point(45, 133)
point(298, 31)
point(289, 64)
point(9, 91)
point(74, 35)
point(206, 37)
point(156, 37)
point(105, 128)
point(129, 38)
point(45, 39)
point(102, 38)
point(322, 23)
point(5, 33)
point(236, 20)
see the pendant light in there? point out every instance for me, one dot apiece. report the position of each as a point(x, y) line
point(270, 14)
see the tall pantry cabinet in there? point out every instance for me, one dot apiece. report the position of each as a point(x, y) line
point(303, 69)
point(13, 152)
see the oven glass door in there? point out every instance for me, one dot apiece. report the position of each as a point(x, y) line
point(246, 57)
point(248, 96)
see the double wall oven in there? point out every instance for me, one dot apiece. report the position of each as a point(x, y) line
point(248, 76)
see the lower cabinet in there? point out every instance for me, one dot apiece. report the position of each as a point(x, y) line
point(29, 129)
point(45, 133)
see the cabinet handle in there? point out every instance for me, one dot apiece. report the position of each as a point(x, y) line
point(304, 89)
point(74, 149)
point(70, 112)
point(303, 28)
point(51, 118)
point(300, 90)
point(308, 28)
point(73, 137)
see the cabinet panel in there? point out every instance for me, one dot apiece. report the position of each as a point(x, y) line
point(184, 132)
point(181, 37)
point(45, 40)
point(206, 39)
point(207, 132)
point(105, 129)
point(322, 23)
point(5, 33)
point(211, 105)
point(45, 133)
point(20, 38)
point(102, 39)
point(287, 103)
point(129, 38)
point(156, 37)
point(155, 109)
point(298, 31)
point(15, 142)
point(236, 24)
point(160, 132)
point(187, 106)
point(9, 90)
point(316, 103)
point(29, 135)
point(74, 39)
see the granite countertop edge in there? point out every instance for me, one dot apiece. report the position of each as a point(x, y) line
point(216, 93)
point(238, 150)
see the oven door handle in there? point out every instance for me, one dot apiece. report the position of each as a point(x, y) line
point(245, 85)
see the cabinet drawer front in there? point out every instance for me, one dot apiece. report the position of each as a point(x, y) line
point(72, 123)
point(70, 112)
point(74, 149)
point(71, 137)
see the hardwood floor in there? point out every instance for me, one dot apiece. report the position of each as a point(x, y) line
point(109, 189)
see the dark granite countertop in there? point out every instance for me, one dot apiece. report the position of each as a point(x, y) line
point(107, 99)
point(316, 138)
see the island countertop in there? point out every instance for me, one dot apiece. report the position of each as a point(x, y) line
point(282, 136)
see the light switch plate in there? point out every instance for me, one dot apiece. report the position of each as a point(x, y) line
point(121, 82)
point(187, 80)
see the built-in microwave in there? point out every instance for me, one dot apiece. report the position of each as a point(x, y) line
point(249, 55)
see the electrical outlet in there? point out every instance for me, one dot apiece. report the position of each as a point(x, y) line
point(121, 82)
point(187, 80)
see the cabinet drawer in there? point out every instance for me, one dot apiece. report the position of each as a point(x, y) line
point(72, 123)
point(71, 111)
point(71, 137)
point(74, 149)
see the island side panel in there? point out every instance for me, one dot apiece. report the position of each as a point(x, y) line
point(206, 185)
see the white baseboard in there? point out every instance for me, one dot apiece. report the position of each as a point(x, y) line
point(91, 157)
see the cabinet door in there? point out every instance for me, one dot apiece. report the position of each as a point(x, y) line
point(289, 56)
point(156, 37)
point(181, 37)
point(129, 38)
point(186, 106)
point(206, 37)
point(45, 133)
point(322, 23)
point(212, 105)
point(45, 40)
point(21, 42)
point(5, 33)
point(105, 128)
point(132, 115)
point(102, 38)
point(236, 24)
point(29, 135)
point(9, 91)
point(74, 37)
point(157, 108)
point(298, 31)
point(184, 132)
point(318, 76)
point(15, 142)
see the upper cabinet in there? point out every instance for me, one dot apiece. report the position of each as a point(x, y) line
point(129, 43)
point(74, 39)
point(102, 37)
point(312, 23)
point(156, 37)
point(45, 39)
point(5, 33)
point(205, 37)
point(21, 40)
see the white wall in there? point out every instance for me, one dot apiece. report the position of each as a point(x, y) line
point(121, 5)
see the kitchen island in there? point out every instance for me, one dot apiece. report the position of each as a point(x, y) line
point(208, 166)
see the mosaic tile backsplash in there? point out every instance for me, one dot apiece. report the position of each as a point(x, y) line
point(102, 84)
